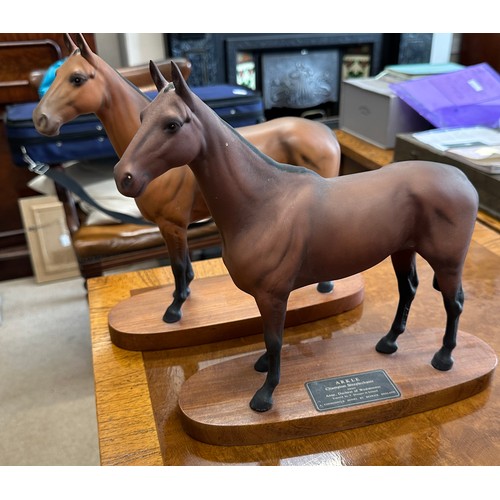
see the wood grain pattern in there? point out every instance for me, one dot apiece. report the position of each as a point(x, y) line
point(214, 402)
point(365, 154)
point(217, 310)
point(127, 430)
point(21, 53)
point(137, 394)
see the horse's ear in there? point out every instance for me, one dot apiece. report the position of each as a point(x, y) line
point(181, 87)
point(70, 44)
point(158, 79)
point(85, 50)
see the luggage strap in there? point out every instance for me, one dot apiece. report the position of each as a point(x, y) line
point(66, 181)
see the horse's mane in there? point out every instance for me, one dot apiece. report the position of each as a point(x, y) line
point(281, 166)
point(135, 87)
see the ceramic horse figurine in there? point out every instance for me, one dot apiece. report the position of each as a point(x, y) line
point(284, 227)
point(85, 83)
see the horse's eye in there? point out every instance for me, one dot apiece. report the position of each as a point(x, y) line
point(77, 80)
point(172, 126)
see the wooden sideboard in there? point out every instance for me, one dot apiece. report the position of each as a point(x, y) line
point(136, 392)
point(359, 155)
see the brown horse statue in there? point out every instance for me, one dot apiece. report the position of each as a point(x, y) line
point(85, 83)
point(284, 227)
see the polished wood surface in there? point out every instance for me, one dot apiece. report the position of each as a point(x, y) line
point(366, 155)
point(364, 387)
point(217, 310)
point(137, 393)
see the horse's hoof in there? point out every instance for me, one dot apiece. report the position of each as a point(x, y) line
point(325, 287)
point(262, 364)
point(172, 316)
point(441, 362)
point(260, 404)
point(385, 346)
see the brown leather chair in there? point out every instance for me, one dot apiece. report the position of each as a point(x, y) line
point(100, 248)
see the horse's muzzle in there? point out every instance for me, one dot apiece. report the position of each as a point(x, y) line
point(126, 183)
point(44, 125)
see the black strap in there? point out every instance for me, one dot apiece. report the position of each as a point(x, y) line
point(66, 181)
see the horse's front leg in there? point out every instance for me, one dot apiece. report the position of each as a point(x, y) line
point(176, 239)
point(273, 311)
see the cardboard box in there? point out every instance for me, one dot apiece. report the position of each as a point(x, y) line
point(370, 110)
point(49, 242)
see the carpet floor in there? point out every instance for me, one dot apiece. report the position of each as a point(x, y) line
point(47, 412)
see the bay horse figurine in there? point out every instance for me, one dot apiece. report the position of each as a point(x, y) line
point(284, 227)
point(85, 83)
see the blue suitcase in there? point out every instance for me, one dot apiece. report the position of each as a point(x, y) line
point(84, 138)
point(237, 105)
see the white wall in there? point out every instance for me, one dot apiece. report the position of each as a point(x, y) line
point(441, 48)
point(130, 49)
point(140, 48)
point(108, 47)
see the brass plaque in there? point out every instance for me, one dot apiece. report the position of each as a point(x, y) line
point(351, 390)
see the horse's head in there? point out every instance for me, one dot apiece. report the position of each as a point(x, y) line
point(73, 91)
point(170, 135)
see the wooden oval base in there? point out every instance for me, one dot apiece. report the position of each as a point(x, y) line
point(214, 403)
point(217, 310)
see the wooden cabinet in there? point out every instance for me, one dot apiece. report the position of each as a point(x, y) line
point(480, 47)
point(20, 53)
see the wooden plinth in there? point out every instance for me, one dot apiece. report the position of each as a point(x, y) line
point(214, 402)
point(217, 310)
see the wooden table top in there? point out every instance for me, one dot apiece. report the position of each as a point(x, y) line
point(136, 393)
point(367, 155)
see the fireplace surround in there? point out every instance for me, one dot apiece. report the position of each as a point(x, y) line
point(296, 73)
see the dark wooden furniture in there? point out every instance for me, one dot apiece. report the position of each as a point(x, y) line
point(136, 393)
point(20, 54)
point(476, 48)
